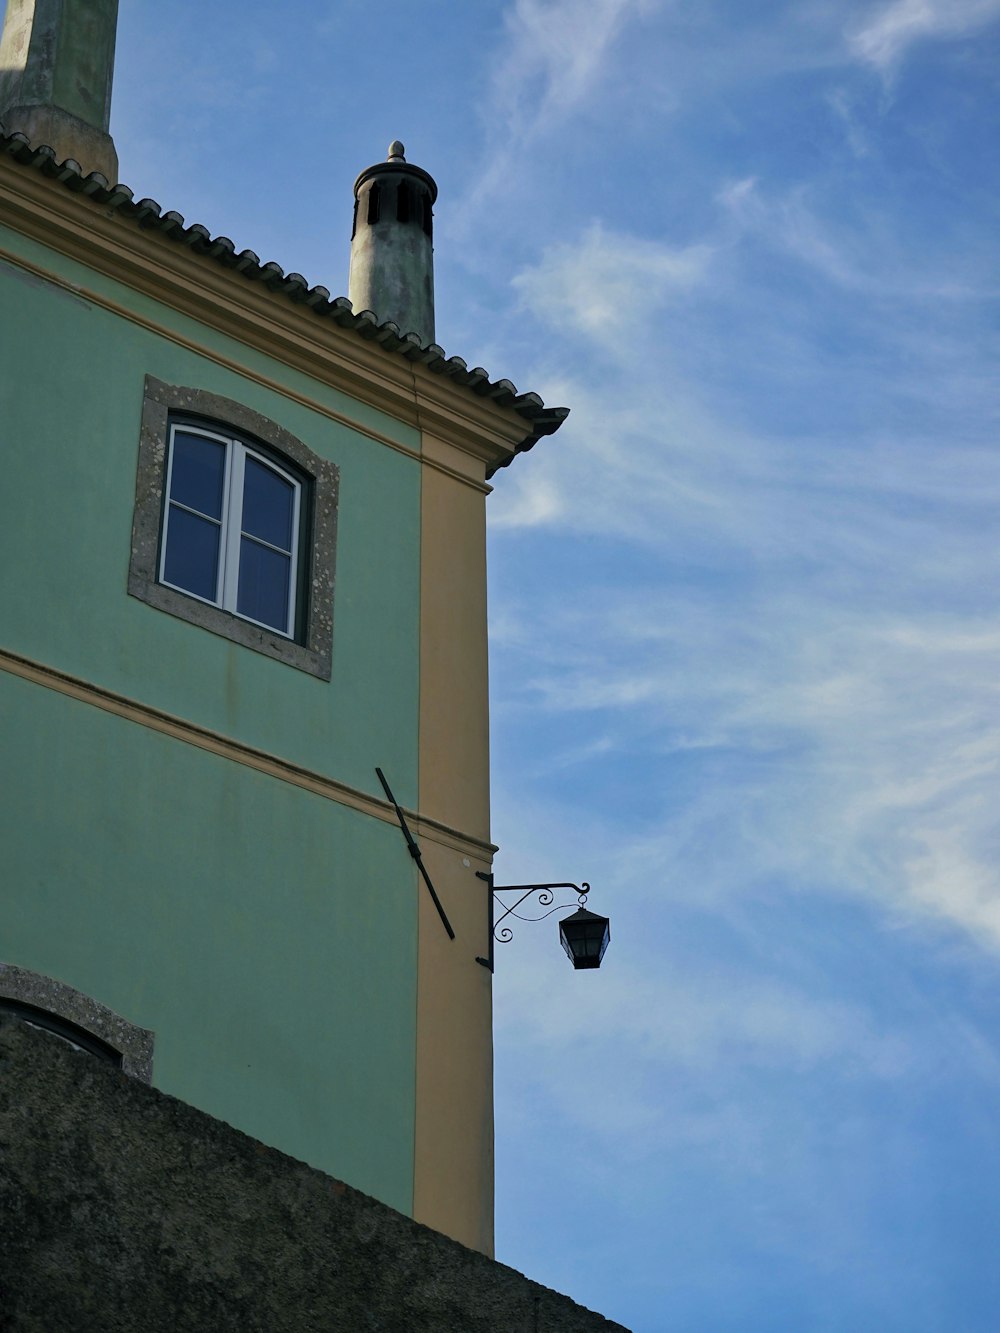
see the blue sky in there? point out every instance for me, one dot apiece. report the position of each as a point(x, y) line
point(743, 607)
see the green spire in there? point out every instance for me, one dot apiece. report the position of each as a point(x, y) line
point(56, 65)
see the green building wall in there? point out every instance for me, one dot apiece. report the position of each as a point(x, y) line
point(70, 404)
point(266, 933)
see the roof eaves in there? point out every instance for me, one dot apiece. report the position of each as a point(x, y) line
point(148, 214)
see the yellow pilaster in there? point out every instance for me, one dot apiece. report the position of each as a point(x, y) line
point(453, 1179)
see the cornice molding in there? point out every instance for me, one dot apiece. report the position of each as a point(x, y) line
point(156, 267)
point(249, 372)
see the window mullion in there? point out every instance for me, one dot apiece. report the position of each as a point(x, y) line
point(166, 507)
point(232, 525)
point(293, 576)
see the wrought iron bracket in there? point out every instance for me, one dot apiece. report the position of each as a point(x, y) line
point(546, 897)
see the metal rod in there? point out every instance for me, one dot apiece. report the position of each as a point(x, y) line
point(415, 853)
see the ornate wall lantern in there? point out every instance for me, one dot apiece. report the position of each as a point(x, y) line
point(584, 935)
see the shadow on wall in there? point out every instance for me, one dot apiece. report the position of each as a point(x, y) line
point(128, 1210)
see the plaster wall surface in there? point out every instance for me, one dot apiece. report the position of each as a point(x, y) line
point(265, 934)
point(277, 942)
point(70, 408)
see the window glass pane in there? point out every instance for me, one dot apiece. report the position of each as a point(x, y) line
point(197, 473)
point(192, 561)
point(264, 579)
point(268, 505)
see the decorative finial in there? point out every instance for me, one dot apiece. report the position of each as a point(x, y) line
point(396, 152)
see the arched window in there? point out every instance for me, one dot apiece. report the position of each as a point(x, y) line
point(74, 1035)
point(231, 529)
point(79, 1020)
point(234, 528)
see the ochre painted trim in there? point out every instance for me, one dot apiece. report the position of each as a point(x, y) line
point(221, 298)
point(272, 765)
point(453, 1129)
point(229, 363)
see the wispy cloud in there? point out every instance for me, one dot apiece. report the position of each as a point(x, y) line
point(557, 51)
point(886, 36)
point(844, 109)
point(748, 620)
point(555, 55)
point(692, 1021)
point(842, 621)
point(878, 735)
point(606, 282)
point(860, 254)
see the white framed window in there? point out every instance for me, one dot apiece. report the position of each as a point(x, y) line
point(231, 527)
point(235, 525)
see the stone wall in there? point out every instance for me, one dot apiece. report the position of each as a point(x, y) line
point(124, 1209)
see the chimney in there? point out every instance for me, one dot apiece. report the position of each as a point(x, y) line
point(392, 264)
point(56, 62)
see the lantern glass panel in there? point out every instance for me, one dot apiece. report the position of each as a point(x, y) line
point(585, 937)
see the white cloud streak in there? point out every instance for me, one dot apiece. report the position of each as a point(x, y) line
point(556, 54)
point(753, 693)
point(865, 259)
point(886, 37)
point(560, 47)
point(878, 741)
point(604, 283)
point(847, 620)
point(697, 1023)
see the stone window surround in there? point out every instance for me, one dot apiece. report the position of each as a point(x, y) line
point(162, 401)
point(133, 1043)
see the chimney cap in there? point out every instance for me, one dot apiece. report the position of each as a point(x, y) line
point(396, 164)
